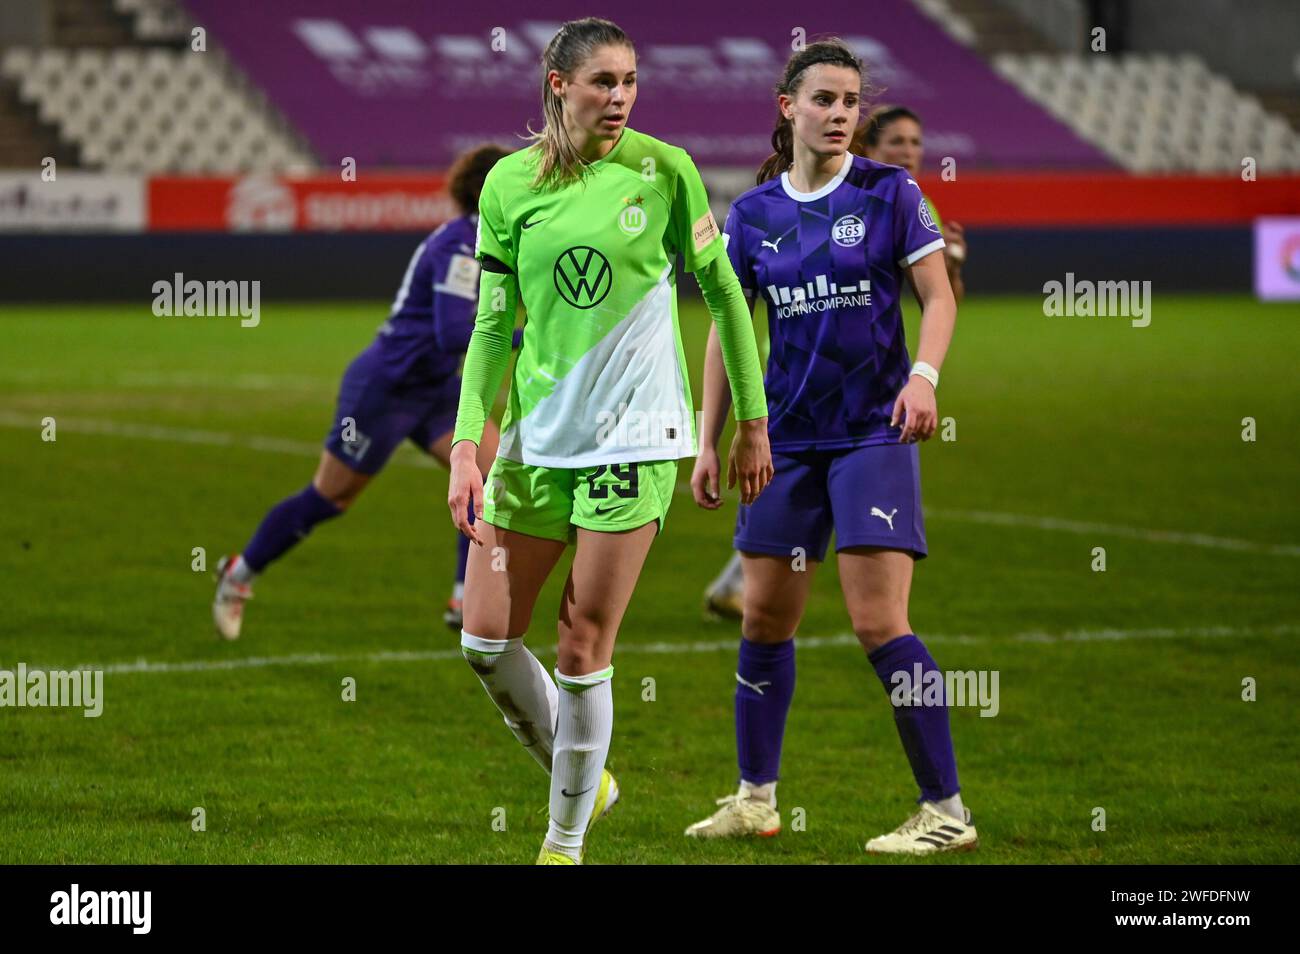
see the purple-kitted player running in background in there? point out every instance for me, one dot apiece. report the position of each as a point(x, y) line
point(406, 385)
point(829, 241)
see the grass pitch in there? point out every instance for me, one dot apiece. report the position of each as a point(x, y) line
point(1119, 690)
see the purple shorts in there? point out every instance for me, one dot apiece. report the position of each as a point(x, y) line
point(384, 411)
point(870, 497)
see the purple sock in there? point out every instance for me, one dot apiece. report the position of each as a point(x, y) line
point(762, 701)
point(922, 729)
point(285, 524)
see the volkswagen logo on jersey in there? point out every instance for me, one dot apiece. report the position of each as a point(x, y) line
point(848, 231)
point(583, 276)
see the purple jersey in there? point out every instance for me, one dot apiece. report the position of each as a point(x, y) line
point(433, 314)
point(830, 264)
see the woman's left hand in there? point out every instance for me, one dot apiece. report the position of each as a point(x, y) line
point(917, 409)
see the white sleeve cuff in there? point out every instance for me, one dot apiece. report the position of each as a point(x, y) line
point(913, 257)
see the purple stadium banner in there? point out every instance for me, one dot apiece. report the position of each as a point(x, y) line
point(410, 84)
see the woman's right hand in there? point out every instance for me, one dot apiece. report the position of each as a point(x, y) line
point(465, 489)
point(750, 460)
point(704, 479)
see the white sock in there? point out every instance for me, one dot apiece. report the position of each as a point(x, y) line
point(762, 793)
point(458, 590)
point(952, 807)
point(239, 571)
point(582, 736)
point(521, 688)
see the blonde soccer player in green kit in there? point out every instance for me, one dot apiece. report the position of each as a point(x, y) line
point(584, 228)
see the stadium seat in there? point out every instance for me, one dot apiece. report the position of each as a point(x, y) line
point(1154, 112)
point(194, 112)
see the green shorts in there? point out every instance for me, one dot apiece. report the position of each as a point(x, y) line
point(549, 502)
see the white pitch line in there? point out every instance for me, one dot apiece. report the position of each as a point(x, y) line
point(685, 648)
point(1096, 529)
point(174, 379)
point(186, 435)
point(407, 456)
point(1113, 530)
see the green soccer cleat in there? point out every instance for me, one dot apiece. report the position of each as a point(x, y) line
point(551, 857)
point(606, 798)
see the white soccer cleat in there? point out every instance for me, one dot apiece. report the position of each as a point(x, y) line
point(929, 831)
point(454, 615)
point(724, 599)
point(739, 817)
point(228, 606)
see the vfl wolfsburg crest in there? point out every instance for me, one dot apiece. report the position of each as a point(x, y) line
point(632, 219)
point(583, 276)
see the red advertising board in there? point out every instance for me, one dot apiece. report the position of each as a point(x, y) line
point(408, 203)
point(1110, 199)
point(419, 201)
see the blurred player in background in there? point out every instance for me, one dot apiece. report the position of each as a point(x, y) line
point(826, 240)
point(892, 135)
point(585, 225)
point(404, 386)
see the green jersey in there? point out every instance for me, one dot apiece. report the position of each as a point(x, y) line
point(934, 214)
point(600, 377)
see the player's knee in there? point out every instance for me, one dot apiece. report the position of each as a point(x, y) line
point(767, 624)
point(874, 631)
point(484, 654)
point(341, 496)
point(576, 660)
point(577, 653)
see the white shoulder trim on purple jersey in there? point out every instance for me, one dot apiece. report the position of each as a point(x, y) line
point(914, 257)
point(825, 190)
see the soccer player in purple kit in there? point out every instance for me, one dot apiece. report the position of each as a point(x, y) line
point(892, 135)
point(827, 240)
point(404, 385)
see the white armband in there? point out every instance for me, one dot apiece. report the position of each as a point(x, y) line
point(928, 372)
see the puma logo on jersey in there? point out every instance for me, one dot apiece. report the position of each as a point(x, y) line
point(887, 517)
point(773, 245)
point(756, 686)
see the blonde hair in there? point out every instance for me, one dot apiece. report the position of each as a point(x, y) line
point(559, 162)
